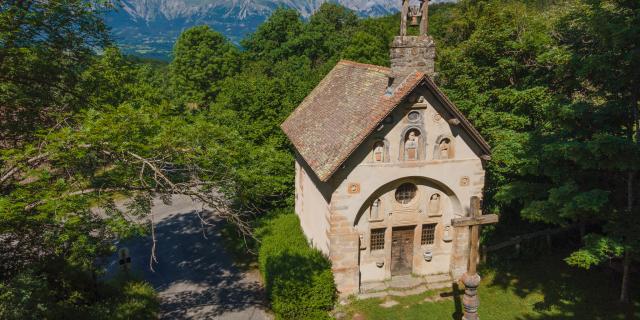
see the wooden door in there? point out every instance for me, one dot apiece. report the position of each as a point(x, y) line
point(402, 250)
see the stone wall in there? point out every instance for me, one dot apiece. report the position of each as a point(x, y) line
point(411, 54)
point(343, 253)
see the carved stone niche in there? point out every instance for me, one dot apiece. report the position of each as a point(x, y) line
point(447, 233)
point(411, 145)
point(434, 207)
point(378, 152)
point(376, 212)
point(444, 148)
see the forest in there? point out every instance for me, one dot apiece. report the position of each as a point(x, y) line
point(553, 85)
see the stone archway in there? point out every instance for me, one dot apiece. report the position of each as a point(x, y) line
point(399, 228)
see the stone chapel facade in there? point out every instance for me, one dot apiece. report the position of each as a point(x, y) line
point(384, 162)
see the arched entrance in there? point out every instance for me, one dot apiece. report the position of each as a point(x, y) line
point(405, 229)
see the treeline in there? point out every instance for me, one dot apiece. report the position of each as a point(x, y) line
point(552, 85)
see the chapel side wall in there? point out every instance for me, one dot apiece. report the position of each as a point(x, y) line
point(312, 207)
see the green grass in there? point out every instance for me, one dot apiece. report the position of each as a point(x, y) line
point(540, 288)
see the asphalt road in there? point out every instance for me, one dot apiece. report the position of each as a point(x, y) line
point(194, 276)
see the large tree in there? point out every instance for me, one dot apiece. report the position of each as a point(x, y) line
point(202, 59)
point(44, 47)
point(583, 167)
point(81, 128)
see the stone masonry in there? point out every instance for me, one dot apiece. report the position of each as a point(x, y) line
point(411, 54)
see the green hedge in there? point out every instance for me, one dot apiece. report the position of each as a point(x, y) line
point(298, 278)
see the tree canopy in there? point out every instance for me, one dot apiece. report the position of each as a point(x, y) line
point(552, 85)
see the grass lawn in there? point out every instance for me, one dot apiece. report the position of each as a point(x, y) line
point(539, 288)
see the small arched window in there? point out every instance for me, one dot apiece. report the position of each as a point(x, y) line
point(406, 193)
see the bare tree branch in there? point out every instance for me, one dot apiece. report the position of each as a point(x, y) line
point(16, 168)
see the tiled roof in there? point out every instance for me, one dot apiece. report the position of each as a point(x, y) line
point(347, 105)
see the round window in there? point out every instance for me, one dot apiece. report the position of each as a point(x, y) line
point(406, 192)
point(413, 116)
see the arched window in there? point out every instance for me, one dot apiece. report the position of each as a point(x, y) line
point(406, 192)
point(412, 145)
point(378, 152)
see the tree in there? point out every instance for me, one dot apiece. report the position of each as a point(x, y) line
point(44, 47)
point(602, 36)
point(498, 76)
point(89, 128)
point(270, 42)
point(582, 168)
point(202, 59)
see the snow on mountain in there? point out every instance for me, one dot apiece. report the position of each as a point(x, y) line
point(150, 27)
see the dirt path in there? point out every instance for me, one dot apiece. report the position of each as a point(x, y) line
point(194, 276)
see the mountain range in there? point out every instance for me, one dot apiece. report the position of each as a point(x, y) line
point(150, 27)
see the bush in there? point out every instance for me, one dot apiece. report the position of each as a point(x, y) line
point(30, 295)
point(135, 300)
point(298, 278)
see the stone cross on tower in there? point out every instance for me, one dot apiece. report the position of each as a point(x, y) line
point(471, 279)
point(415, 12)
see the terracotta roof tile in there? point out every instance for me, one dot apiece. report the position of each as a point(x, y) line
point(345, 107)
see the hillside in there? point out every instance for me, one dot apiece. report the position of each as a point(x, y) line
point(150, 27)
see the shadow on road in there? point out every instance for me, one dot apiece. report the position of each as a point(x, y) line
point(194, 276)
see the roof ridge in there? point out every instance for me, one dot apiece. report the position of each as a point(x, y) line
point(373, 67)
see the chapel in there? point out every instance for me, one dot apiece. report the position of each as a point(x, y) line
point(384, 163)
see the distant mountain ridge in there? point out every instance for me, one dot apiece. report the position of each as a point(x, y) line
point(241, 9)
point(150, 27)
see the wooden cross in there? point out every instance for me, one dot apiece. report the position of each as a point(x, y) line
point(471, 279)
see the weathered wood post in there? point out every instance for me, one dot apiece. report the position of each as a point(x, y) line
point(471, 279)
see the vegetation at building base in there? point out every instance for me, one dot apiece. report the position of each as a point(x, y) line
point(298, 278)
point(551, 84)
point(533, 287)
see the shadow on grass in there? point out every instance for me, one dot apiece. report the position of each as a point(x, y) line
point(568, 292)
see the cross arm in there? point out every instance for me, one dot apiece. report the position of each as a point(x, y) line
point(472, 221)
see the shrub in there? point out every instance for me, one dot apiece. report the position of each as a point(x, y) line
point(137, 300)
point(30, 295)
point(298, 278)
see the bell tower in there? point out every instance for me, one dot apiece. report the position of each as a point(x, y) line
point(411, 54)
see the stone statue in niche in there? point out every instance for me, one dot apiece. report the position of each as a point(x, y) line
point(445, 147)
point(411, 145)
point(434, 204)
point(375, 210)
point(378, 152)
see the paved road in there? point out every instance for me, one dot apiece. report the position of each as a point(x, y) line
point(194, 276)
